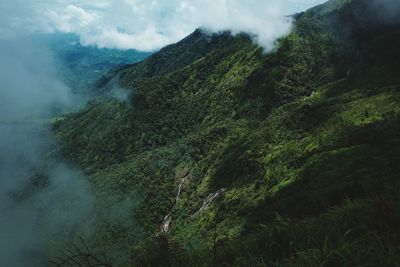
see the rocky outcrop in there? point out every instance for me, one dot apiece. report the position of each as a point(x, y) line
point(209, 199)
point(168, 218)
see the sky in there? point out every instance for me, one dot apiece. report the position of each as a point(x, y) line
point(148, 25)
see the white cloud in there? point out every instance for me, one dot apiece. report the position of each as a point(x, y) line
point(150, 24)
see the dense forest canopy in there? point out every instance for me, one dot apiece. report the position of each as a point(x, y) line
point(282, 158)
point(225, 149)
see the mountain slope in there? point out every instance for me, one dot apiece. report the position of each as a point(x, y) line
point(249, 159)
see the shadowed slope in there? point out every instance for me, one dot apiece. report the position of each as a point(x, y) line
point(309, 132)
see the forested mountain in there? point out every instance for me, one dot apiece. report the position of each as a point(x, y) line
point(227, 156)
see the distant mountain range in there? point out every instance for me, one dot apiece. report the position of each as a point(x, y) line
point(80, 66)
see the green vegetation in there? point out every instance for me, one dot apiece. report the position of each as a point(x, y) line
point(306, 141)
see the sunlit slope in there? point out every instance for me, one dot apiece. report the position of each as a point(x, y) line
point(282, 159)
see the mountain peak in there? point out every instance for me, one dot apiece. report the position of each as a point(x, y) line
point(252, 157)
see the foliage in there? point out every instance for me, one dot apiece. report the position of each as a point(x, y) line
point(305, 140)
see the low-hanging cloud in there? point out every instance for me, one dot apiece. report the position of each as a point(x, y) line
point(150, 25)
point(389, 10)
point(42, 200)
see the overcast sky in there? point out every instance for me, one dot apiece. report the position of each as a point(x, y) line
point(148, 24)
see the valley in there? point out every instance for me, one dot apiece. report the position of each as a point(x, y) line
point(216, 150)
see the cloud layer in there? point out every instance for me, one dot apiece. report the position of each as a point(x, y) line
point(151, 24)
point(42, 201)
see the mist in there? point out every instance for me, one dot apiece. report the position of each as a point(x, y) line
point(43, 201)
point(149, 26)
point(389, 10)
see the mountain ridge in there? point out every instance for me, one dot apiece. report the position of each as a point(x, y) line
point(288, 158)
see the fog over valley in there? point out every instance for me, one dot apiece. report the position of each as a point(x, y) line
point(199, 133)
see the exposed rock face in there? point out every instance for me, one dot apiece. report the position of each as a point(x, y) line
point(168, 218)
point(209, 199)
point(181, 182)
point(166, 223)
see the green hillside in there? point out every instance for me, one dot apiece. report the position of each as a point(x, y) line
point(251, 159)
